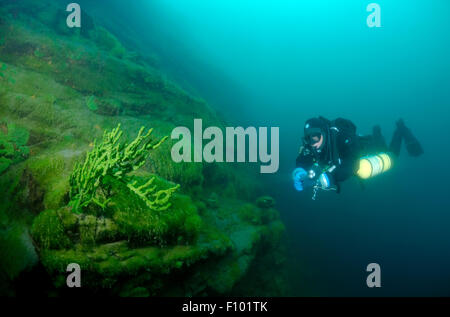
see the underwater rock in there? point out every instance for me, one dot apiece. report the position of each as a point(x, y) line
point(88, 24)
point(251, 214)
point(31, 194)
point(135, 292)
point(13, 144)
point(213, 263)
point(69, 220)
point(265, 202)
point(102, 106)
point(17, 255)
point(106, 230)
point(48, 231)
point(87, 229)
point(4, 164)
point(213, 201)
point(48, 172)
point(109, 42)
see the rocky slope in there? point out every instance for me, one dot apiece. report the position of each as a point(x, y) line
point(60, 89)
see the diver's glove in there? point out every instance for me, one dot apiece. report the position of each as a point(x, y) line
point(299, 175)
point(301, 179)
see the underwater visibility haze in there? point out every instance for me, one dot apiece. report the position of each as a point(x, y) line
point(87, 175)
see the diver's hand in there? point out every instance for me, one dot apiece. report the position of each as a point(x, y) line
point(299, 175)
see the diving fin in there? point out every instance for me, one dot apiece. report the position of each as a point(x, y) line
point(396, 142)
point(412, 144)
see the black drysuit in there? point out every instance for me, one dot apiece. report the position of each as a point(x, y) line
point(339, 156)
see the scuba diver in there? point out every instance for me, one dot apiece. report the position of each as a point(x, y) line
point(332, 152)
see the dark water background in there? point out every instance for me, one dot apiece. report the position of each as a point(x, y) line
point(277, 63)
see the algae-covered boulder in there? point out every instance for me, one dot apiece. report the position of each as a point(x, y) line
point(179, 224)
point(13, 144)
point(49, 232)
point(213, 264)
point(265, 202)
point(104, 106)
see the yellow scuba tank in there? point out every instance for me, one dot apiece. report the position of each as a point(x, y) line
point(373, 165)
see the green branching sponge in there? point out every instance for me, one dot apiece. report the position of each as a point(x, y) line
point(155, 200)
point(110, 162)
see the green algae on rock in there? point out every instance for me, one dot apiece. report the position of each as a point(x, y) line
point(219, 258)
point(49, 232)
point(13, 144)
